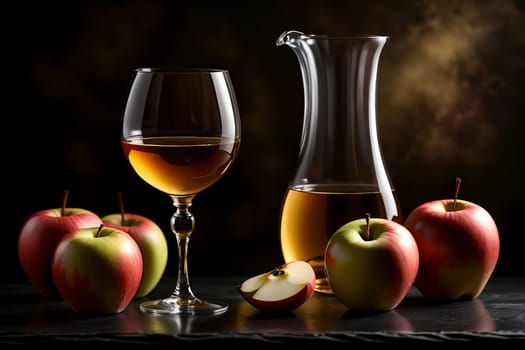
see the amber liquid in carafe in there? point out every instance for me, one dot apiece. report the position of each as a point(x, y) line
point(310, 214)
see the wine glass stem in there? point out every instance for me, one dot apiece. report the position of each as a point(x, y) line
point(182, 225)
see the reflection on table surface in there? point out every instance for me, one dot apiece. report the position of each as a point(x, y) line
point(500, 308)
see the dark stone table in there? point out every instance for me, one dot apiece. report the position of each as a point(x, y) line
point(496, 317)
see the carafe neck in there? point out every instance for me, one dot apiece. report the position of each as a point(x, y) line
point(339, 142)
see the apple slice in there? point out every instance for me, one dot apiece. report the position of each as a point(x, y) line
point(283, 289)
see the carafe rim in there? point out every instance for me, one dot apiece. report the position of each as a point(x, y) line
point(347, 36)
point(292, 35)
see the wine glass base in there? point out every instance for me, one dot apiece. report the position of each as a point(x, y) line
point(170, 306)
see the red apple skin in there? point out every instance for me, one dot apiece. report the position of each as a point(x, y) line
point(97, 273)
point(458, 248)
point(288, 304)
point(38, 238)
point(371, 274)
point(152, 244)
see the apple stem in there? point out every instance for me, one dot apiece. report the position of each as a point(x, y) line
point(121, 206)
point(367, 226)
point(99, 230)
point(456, 191)
point(64, 201)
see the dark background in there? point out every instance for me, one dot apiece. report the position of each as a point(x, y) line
point(450, 104)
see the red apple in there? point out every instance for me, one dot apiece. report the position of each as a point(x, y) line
point(459, 247)
point(371, 264)
point(97, 269)
point(39, 236)
point(151, 241)
point(283, 289)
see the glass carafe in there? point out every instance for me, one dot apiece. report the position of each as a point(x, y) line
point(340, 173)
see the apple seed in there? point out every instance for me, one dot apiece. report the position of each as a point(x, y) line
point(277, 272)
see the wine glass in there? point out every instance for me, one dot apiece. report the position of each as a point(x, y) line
point(181, 133)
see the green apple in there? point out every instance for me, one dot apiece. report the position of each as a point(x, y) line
point(371, 263)
point(97, 269)
point(152, 243)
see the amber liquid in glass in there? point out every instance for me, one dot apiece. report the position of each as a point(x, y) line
point(180, 165)
point(310, 214)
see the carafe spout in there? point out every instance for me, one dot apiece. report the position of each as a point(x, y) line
point(288, 37)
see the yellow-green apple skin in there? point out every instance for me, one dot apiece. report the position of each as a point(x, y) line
point(152, 244)
point(38, 238)
point(97, 270)
point(458, 246)
point(375, 272)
